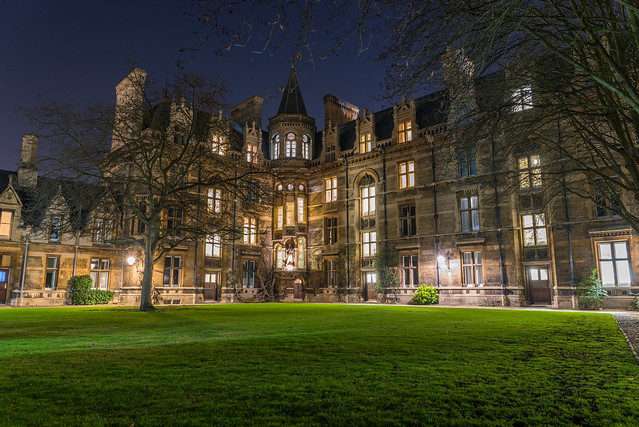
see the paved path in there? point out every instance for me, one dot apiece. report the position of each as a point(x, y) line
point(629, 324)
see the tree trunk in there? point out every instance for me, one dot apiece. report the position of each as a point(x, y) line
point(146, 302)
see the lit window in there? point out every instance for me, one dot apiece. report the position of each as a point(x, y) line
point(330, 230)
point(275, 143)
point(251, 153)
point(614, 264)
point(248, 279)
point(406, 174)
point(5, 223)
point(214, 200)
point(469, 213)
point(172, 271)
point(410, 273)
point(301, 211)
point(301, 252)
point(212, 246)
point(279, 256)
point(54, 230)
point(365, 143)
point(330, 185)
point(217, 145)
point(51, 275)
point(369, 243)
point(534, 227)
point(466, 159)
point(522, 98)
point(472, 269)
point(290, 144)
point(280, 217)
point(290, 213)
point(250, 230)
point(306, 147)
point(100, 273)
point(404, 132)
point(368, 199)
point(407, 219)
point(529, 172)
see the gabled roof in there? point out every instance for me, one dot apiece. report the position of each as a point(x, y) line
point(292, 102)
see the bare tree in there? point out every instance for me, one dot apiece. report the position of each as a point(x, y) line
point(164, 161)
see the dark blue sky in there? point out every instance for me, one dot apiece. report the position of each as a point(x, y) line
point(69, 50)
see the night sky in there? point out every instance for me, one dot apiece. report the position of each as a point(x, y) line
point(70, 51)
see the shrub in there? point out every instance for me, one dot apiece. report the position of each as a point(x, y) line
point(590, 292)
point(635, 303)
point(83, 294)
point(426, 294)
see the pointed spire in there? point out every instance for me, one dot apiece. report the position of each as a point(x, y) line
point(292, 102)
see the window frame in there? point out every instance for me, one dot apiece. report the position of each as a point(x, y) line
point(404, 131)
point(174, 271)
point(410, 270)
point(4, 225)
point(332, 272)
point(406, 173)
point(330, 230)
point(250, 230)
point(530, 172)
point(471, 270)
point(365, 143)
point(98, 273)
point(369, 243)
point(408, 220)
point(248, 273)
point(469, 215)
point(614, 261)
point(53, 271)
point(367, 199)
point(535, 228)
point(467, 162)
point(330, 189)
point(522, 98)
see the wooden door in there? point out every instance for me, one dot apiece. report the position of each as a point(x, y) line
point(4, 283)
point(538, 284)
point(298, 291)
point(370, 279)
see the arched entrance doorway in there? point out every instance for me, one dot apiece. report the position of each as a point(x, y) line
point(298, 289)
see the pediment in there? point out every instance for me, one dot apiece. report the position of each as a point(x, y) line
point(10, 197)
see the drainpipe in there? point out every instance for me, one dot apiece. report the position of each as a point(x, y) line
point(571, 261)
point(385, 215)
point(24, 266)
point(497, 212)
point(436, 215)
point(348, 248)
point(75, 253)
point(234, 231)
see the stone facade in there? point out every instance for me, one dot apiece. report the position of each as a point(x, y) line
point(397, 180)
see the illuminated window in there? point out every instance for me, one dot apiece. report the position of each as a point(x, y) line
point(467, 165)
point(290, 144)
point(217, 144)
point(404, 132)
point(369, 243)
point(306, 147)
point(365, 143)
point(367, 194)
point(275, 143)
point(614, 264)
point(301, 210)
point(251, 153)
point(51, 274)
point(279, 256)
point(301, 252)
point(534, 228)
point(280, 217)
point(250, 230)
point(529, 172)
point(472, 269)
point(214, 200)
point(212, 246)
point(330, 186)
point(522, 98)
point(172, 271)
point(5, 223)
point(469, 213)
point(100, 273)
point(410, 274)
point(290, 213)
point(406, 174)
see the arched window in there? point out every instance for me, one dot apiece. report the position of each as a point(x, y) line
point(279, 256)
point(306, 147)
point(290, 144)
point(275, 144)
point(367, 194)
point(301, 252)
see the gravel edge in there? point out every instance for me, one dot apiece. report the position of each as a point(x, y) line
point(629, 325)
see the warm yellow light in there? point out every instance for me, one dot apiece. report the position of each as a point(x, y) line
point(130, 260)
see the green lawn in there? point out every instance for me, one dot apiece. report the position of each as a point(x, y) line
point(305, 364)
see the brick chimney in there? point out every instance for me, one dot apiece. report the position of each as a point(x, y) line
point(27, 171)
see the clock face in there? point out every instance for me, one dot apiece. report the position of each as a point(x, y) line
point(290, 136)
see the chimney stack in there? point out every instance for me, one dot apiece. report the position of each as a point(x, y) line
point(27, 171)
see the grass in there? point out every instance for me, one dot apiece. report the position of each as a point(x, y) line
point(273, 364)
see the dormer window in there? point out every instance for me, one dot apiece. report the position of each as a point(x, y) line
point(365, 143)
point(522, 99)
point(217, 145)
point(5, 223)
point(54, 232)
point(404, 132)
point(290, 144)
